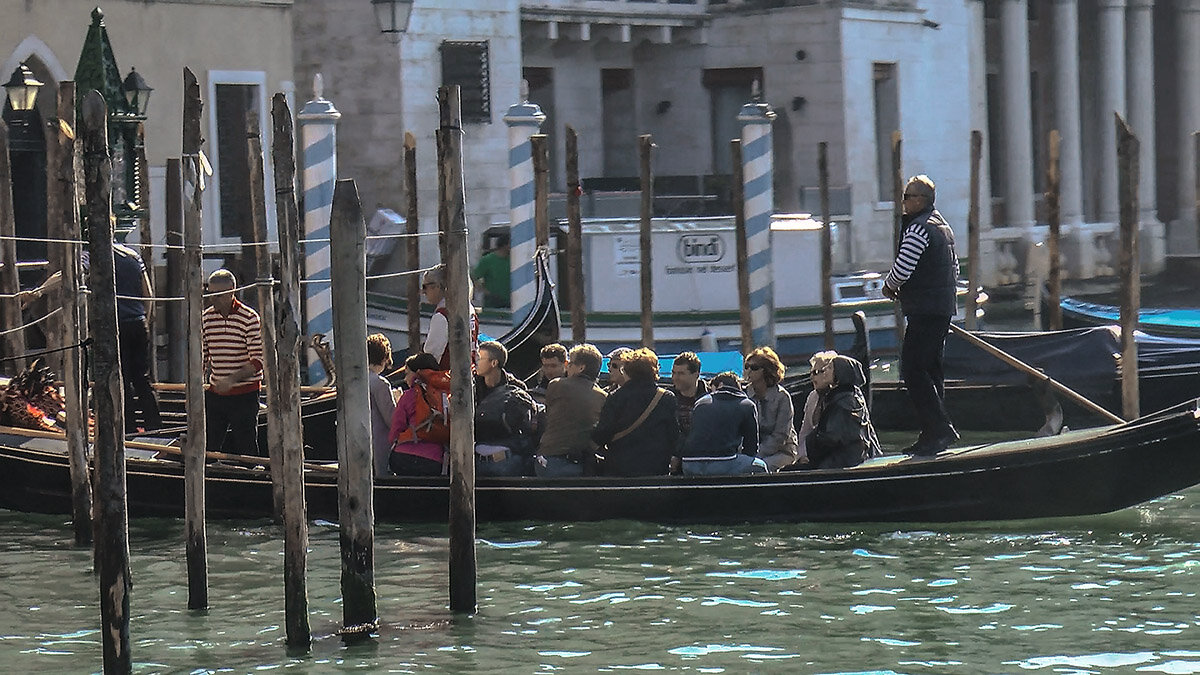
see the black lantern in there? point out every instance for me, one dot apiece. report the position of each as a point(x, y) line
point(137, 92)
point(22, 89)
point(393, 16)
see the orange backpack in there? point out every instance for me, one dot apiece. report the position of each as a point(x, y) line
point(431, 421)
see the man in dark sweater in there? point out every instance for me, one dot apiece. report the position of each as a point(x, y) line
point(724, 432)
point(924, 278)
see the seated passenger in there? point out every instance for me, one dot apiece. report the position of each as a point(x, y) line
point(688, 388)
point(554, 364)
point(616, 374)
point(413, 455)
point(817, 362)
point(572, 407)
point(724, 432)
point(637, 422)
point(842, 435)
point(777, 440)
point(383, 401)
point(504, 415)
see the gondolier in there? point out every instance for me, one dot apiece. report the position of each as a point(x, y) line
point(437, 340)
point(924, 278)
point(233, 361)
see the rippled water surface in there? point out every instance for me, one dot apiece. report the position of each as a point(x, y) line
point(1106, 594)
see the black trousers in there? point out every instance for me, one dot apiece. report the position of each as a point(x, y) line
point(141, 407)
point(921, 369)
point(236, 415)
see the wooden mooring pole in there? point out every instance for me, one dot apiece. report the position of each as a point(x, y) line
point(897, 222)
point(737, 191)
point(412, 244)
point(112, 523)
point(176, 314)
point(826, 243)
point(973, 256)
point(287, 381)
point(1128, 172)
point(575, 241)
point(13, 340)
point(645, 150)
point(1054, 213)
point(453, 224)
point(62, 223)
point(540, 149)
point(266, 306)
point(356, 503)
point(146, 237)
point(195, 440)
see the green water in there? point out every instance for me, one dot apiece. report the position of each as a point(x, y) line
point(1114, 593)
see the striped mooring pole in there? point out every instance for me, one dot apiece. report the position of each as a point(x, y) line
point(757, 171)
point(318, 135)
point(524, 120)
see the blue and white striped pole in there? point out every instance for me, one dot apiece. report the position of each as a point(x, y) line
point(524, 120)
point(318, 134)
point(757, 171)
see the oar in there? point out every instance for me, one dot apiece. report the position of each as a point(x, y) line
point(1037, 374)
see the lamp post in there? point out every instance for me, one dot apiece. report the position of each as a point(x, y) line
point(393, 16)
point(137, 97)
point(27, 153)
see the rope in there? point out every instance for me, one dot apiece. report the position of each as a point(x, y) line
point(398, 274)
point(42, 240)
point(31, 324)
point(33, 355)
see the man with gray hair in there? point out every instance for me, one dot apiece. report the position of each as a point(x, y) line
point(924, 278)
point(233, 362)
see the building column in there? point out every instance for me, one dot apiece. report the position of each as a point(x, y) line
point(1111, 96)
point(1079, 252)
point(1189, 118)
point(1140, 98)
point(318, 138)
point(1018, 125)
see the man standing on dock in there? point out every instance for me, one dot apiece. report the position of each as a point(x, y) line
point(233, 359)
point(924, 279)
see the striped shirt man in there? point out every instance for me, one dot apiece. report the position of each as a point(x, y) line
point(232, 341)
point(912, 245)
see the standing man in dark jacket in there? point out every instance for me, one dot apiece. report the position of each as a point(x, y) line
point(924, 278)
point(723, 434)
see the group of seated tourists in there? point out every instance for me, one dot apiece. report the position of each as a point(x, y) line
point(566, 425)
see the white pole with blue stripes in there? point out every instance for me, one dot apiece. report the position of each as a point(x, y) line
point(757, 171)
point(318, 134)
point(524, 120)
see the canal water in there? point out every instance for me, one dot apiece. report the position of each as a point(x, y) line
point(1114, 593)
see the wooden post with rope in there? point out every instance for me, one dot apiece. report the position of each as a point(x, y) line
point(196, 439)
point(975, 269)
point(737, 190)
point(62, 223)
point(826, 243)
point(147, 239)
point(287, 381)
point(10, 284)
point(1054, 216)
point(897, 223)
point(540, 149)
point(112, 519)
point(356, 503)
point(176, 316)
point(645, 150)
point(575, 241)
point(266, 307)
point(412, 243)
point(1128, 173)
point(453, 223)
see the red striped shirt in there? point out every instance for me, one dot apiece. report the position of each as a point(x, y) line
point(232, 341)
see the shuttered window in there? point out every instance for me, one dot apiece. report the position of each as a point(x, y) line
point(466, 64)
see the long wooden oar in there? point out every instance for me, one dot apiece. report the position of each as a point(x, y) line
point(1020, 365)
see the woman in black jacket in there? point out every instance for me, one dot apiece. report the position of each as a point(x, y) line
point(637, 430)
point(842, 435)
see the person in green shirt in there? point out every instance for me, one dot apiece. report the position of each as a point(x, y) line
point(493, 275)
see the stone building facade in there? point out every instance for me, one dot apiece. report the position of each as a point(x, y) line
point(845, 73)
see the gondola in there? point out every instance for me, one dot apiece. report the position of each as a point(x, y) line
point(1166, 321)
point(1077, 473)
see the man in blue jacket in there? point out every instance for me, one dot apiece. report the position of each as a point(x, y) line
point(724, 436)
point(924, 278)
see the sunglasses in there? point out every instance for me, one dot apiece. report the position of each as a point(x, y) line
point(754, 366)
point(908, 196)
point(818, 371)
point(429, 285)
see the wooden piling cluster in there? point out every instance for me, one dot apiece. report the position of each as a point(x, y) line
point(575, 241)
point(826, 243)
point(973, 271)
point(645, 152)
point(412, 245)
point(1128, 173)
point(1054, 216)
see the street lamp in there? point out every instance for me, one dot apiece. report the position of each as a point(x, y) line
point(137, 93)
point(393, 16)
point(22, 89)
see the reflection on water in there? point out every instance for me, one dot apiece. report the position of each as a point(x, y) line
point(1105, 594)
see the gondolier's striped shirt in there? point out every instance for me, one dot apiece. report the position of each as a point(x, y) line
point(912, 245)
point(232, 341)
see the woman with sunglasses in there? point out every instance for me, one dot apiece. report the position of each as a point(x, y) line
point(778, 443)
point(842, 435)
